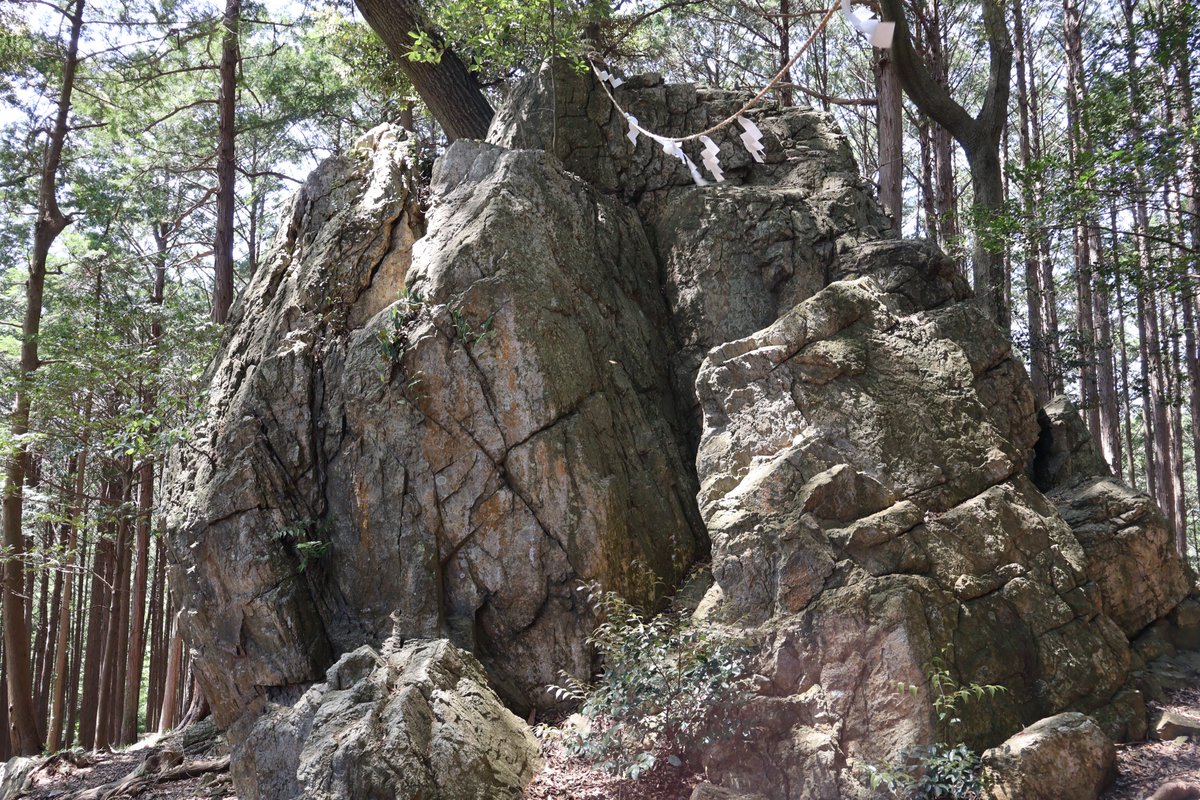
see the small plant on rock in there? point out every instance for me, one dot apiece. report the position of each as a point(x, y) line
point(393, 336)
point(308, 538)
point(465, 333)
point(937, 771)
point(668, 688)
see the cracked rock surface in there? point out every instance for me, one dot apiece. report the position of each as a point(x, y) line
point(454, 464)
point(412, 720)
point(438, 427)
point(865, 474)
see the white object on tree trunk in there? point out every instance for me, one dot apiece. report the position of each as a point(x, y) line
point(880, 33)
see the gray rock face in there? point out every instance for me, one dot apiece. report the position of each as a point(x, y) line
point(737, 254)
point(442, 438)
point(417, 720)
point(1064, 757)
point(451, 464)
point(15, 775)
point(864, 479)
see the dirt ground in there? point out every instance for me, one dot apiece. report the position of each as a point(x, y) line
point(1142, 768)
point(63, 780)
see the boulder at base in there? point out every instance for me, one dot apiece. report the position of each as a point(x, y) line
point(416, 720)
point(1064, 757)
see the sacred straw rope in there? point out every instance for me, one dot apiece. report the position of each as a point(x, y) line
point(833, 9)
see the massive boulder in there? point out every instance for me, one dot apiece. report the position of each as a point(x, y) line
point(442, 448)
point(865, 476)
point(589, 362)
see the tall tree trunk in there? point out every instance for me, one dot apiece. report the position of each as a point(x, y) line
point(1041, 366)
point(47, 626)
point(979, 137)
point(157, 639)
point(75, 522)
point(6, 750)
point(1183, 79)
point(890, 123)
point(49, 224)
point(784, 28)
point(116, 688)
point(57, 618)
point(1106, 378)
point(170, 701)
point(75, 668)
point(928, 193)
point(137, 613)
point(133, 668)
point(226, 164)
point(448, 88)
point(1123, 344)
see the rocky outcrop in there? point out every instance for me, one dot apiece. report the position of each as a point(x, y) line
point(1129, 544)
point(441, 438)
point(863, 476)
point(414, 720)
point(16, 774)
point(734, 256)
point(1064, 757)
point(453, 463)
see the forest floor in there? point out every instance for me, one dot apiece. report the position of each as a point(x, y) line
point(184, 765)
point(1142, 768)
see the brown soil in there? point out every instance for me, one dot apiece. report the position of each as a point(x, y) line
point(568, 778)
point(70, 775)
point(1145, 766)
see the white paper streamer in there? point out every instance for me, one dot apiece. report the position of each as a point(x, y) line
point(673, 148)
point(709, 157)
point(752, 139)
point(633, 129)
point(880, 33)
point(605, 75)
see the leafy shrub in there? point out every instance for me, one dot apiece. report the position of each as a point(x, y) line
point(308, 539)
point(668, 688)
point(939, 770)
point(932, 771)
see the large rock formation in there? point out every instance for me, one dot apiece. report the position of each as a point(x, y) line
point(452, 463)
point(442, 437)
point(417, 720)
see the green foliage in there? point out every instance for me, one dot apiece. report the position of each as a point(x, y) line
point(500, 39)
point(668, 688)
point(393, 336)
point(933, 771)
point(308, 538)
point(939, 770)
point(464, 332)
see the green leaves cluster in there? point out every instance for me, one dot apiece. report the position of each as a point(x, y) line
point(933, 771)
point(500, 38)
point(308, 538)
point(939, 770)
point(668, 689)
